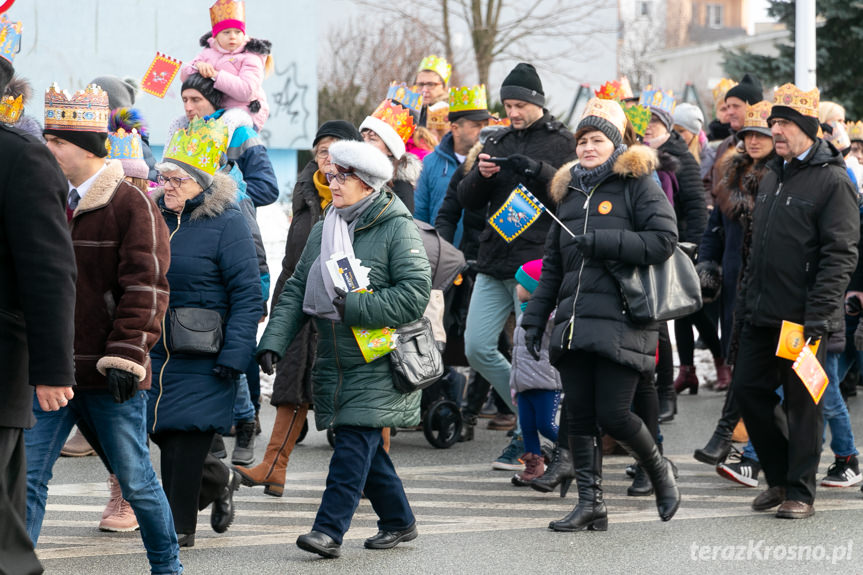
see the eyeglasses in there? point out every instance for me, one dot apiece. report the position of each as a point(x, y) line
point(175, 182)
point(422, 85)
point(322, 154)
point(341, 177)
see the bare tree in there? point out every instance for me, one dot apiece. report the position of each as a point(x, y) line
point(539, 30)
point(361, 60)
point(641, 34)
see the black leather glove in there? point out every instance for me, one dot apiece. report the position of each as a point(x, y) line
point(858, 337)
point(584, 243)
point(339, 301)
point(533, 341)
point(521, 164)
point(226, 372)
point(123, 384)
point(814, 330)
point(267, 360)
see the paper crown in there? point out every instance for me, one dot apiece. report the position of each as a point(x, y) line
point(855, 130)
point(228, 14)
point(639, 117)
point(757, 114)
point(397, 117)
point(438, 65)
point(437, 117)
point(11, 108)
point(405, 96)
point(805, 103)
point(10, 38)
point(201, 145)
point(466, 99)
point(658, 99)
point(123, 145)
point(496, 120)
point(608, 110)
point(86, 111)
point(614, 90)
point(722, 88)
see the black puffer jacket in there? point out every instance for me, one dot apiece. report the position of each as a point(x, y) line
point(805, 229)
point(690, 204)
point(590, 315)
point(451, 211)
point(547, 141)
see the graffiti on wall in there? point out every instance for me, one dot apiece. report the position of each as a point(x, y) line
point(289, 103)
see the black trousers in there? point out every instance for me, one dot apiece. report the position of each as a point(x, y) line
point(645, 404)
point(599, 395)
point(789, 458)
point(191, 476)
point(686, 342)
point(16, 550)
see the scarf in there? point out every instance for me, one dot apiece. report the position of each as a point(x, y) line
point(337, 235)
point(586, 179)
point(323, 188)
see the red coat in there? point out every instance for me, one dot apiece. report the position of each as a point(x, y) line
point(122, 253)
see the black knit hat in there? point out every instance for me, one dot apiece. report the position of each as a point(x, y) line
point(206, 87)
point(93, 142)
point(809, 124)
point(749, 90)
point(523, 84)
point(338, 129)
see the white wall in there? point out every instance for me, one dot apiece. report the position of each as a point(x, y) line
point(72, 42)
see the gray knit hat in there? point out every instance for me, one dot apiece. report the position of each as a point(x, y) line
point(689, 117)
point(121, 91)
point(367, 162)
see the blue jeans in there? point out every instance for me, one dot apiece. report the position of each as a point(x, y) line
point(836, 412)
point(244, 409)
point(537, 410)
point(490, 305)
point(121, 429)
point(360, 465)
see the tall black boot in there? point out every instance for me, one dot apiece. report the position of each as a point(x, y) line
point(642, 447)
point(665, 377)
point(558, 472)
point(719, 445)
point(590, 513)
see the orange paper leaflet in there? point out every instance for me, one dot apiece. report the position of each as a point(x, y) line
point(791, 341)
point(809, 370)
point(160, 74)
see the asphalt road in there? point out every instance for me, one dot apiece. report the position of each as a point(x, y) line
point(472, 520)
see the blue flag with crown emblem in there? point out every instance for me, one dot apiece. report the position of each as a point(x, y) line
point(516, 214)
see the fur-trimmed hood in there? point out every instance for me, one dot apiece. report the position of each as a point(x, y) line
point(636, 162)
point(735, 192)
point(470, 159)
point(408, 169)
point(253, 45)
point(102, 190)
point(216, 199)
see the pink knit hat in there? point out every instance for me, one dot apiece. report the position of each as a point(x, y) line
point(528, 275)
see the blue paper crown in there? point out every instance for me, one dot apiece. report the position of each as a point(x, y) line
point(405, 96)
point(10, 38)
point(656, 98)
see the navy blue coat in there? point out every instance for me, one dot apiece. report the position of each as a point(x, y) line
point(213, 266)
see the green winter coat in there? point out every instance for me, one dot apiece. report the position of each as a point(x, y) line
point(346, 389)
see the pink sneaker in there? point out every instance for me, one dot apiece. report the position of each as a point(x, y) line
point(118, 515)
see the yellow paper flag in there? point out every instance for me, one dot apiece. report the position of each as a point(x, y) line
point(809, 370)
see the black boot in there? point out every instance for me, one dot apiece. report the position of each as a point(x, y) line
point(719, 446)
point(558, 472)
point(590, 513)
point(665, 378)
point(643, 448)
point(641, 486)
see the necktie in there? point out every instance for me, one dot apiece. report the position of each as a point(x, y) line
point(74, 198)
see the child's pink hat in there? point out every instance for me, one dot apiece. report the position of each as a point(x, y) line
point(528, 275)
point(226, 14)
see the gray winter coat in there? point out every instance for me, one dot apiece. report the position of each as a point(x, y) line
point(527, 373)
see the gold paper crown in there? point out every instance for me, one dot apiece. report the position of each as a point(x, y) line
point(757, 114)
point(10, 38)
point(410, 99)
point(86, 111)
point(608, 110)
point(11, 108)
point(466, 99)
point(123, 145)
point(201, 145)
point(805, 103)
point(436, 117)
point(398, 117)
point(227, 10)
point(855, 130)
point(438, 65)
point(722, 88)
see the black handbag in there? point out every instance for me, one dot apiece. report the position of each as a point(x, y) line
point(194, 331)
point(416, 360)
point(659, 292)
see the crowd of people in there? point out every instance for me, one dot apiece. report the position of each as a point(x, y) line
point(131, 290)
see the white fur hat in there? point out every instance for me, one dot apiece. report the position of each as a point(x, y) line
point(386, 132)
point(369, 163)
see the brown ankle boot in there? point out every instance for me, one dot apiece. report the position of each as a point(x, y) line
point(271, 471)
point(723, 374)
point(686, 379)
point(533, 467)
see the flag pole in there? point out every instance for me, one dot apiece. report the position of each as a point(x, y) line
point(555, 218)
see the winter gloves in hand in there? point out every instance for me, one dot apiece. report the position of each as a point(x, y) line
point(523, 165)
point(267, 360)
point(123, 384)
point(814, 330)
point(584, 243)
point(226, 372)
point(339, 301)
point(533, 341)
point(710, 275)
